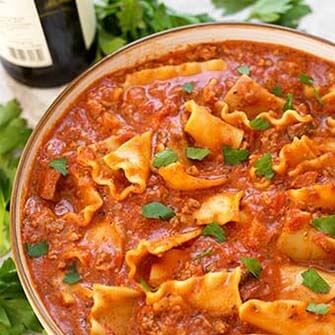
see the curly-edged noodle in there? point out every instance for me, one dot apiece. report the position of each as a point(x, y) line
point(177, 178)
point(106, 158)
point(166, 72)
point(292, 154)
point(238, 118)
point(135, 257)
point(112, 309)
point(221, 208)
point(216, 293)
point(291, 285)
point(210, 131)
point(248, 96)
point(328, 102)
point(330, 122)
point(287, 317)
point(317, 196)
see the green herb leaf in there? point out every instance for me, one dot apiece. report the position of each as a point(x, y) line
point(244, 69)
point(156, 210)
point(232, 6)
point(277, 90)
point(16, 315)
point(305, 79)
point(263, 167)
point(269, 10)
point(320, 309)
point(326, 224)
point(216, 231)
point(59, 165)
point(188, 87)
point(146, 286)
point(197, 153)
point(252, 265)
point(202, 254)
point(234, 156)
point(289, 102)
point(38, 249)
point(313, 281)
point(260, 123)
point(292, 17)
point(109, 43)
point(71, 275)
point(164, 158)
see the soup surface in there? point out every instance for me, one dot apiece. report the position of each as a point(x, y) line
point(191, 195)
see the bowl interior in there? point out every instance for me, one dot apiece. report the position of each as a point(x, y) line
point(138, 52)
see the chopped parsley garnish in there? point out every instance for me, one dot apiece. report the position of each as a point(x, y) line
point(156, 210)
point(260, 123)
point(277, 90)
point(202, 254)
point(234, 156)
point(326, 224)
point(188, 87)
point(164, 158)
point(71, 275)
point(306, 79)
point(243, 69)
point(38, 249)
point(59, 165)
point(263, 167)
point(146, 286)
point(313, 281)
point(252, 265)
point(289, 102)
point(216, 231)
point(197, 153)
point(320, 309)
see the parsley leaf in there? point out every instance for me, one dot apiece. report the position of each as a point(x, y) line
point(156, 210)
point(326, 224)
point(59, 165)
point(13, 135)
point(38, 249)
point(164, 158)
point(197, 153)
point(292, 16)
point(320, 309)
point(71, 276)
point(232, 6)
point(202, 254)
point(216, 231)
point(260, 123)
point(289, 102)
point(252, 265)
point(277, 90)
point(188, 87)
point(313, 281)
point(305, 79)
point(263, 167)
point(244, 69)
point(234, 156)
point(269, 10)
point(16, 315)
point(146, 286)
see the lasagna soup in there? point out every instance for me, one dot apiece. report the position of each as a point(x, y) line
point(193, 194)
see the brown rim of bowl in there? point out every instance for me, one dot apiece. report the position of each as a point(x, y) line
point(33, 297)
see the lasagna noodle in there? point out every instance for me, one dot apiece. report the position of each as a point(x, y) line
point(135, 257)
point(210, 131)
point(287, 317)
point(317, 196)
point(221, 208)
point(176, 177)
point(292, 154)
point(162, 73)
point(112, 309)
point(248, 96)
point(328, 102)
point(216, 293)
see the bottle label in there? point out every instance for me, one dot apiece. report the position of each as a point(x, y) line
point(22, 40)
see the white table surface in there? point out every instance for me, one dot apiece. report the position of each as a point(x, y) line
point(35, 101)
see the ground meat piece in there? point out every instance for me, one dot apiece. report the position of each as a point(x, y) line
point(48, 186)
point(306, 179)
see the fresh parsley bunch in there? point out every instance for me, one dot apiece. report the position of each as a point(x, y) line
point(282, 12)
point(13, 136)
point(123, 21)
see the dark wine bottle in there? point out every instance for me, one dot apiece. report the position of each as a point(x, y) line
point(46, 43)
